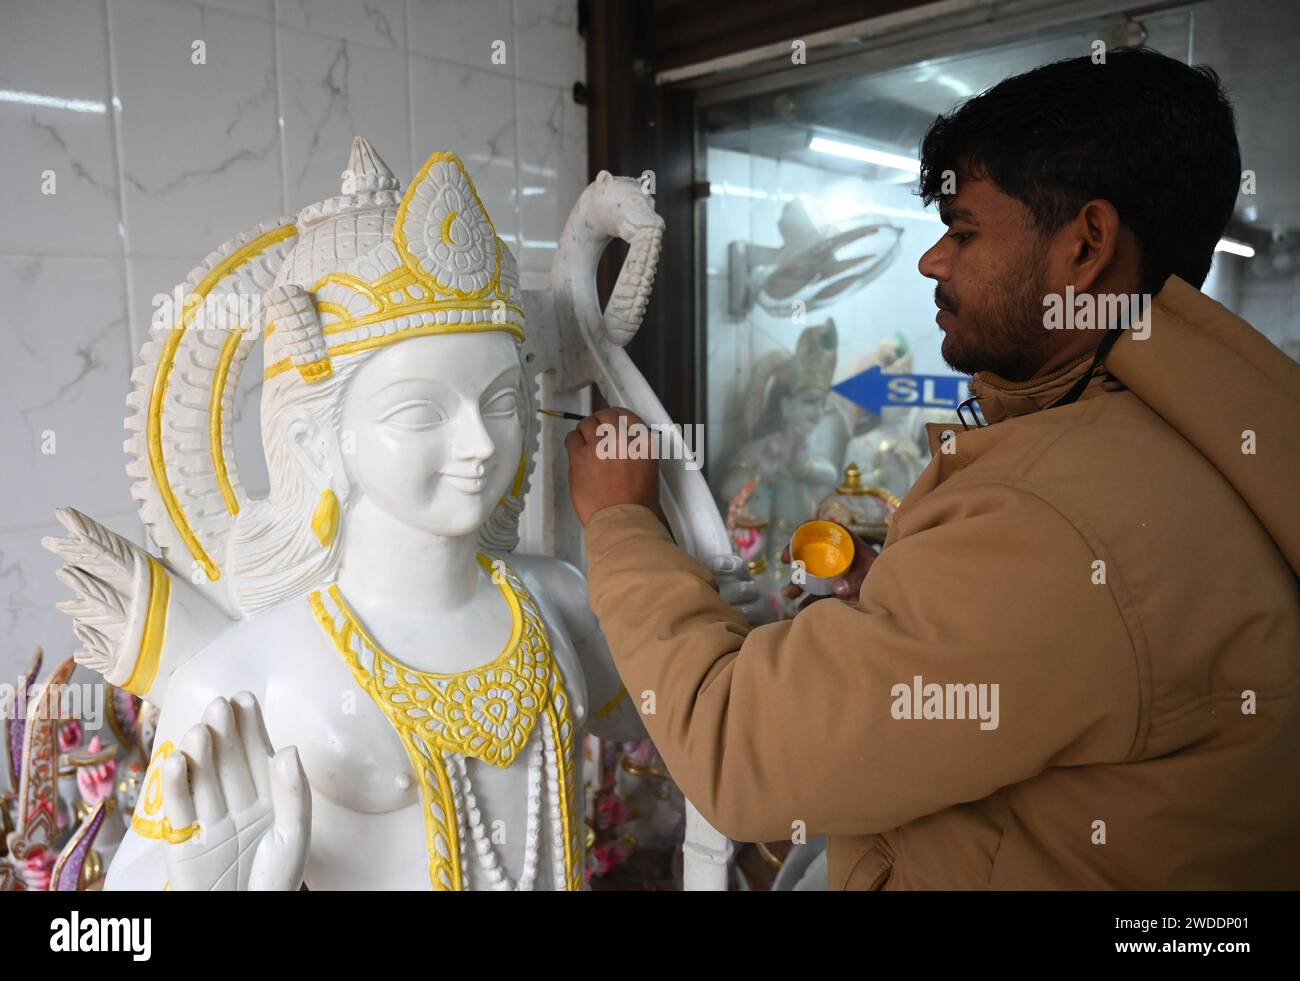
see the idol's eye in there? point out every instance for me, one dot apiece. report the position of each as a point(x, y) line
point(503, 403)
point(415, 414)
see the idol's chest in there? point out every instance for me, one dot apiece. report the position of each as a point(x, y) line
point(350, 751)
point(366, 725)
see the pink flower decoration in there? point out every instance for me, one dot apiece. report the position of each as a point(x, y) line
point(597, 864)
point(70, 735)
point(749, 542)
point(96, 782)
point(616, 853)
point(612, 811)
point(642, 752)
point(36, 869)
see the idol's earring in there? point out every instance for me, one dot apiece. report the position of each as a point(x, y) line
point(325, 519)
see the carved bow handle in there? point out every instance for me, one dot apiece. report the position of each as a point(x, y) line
point(582, 345)
point(589, 342)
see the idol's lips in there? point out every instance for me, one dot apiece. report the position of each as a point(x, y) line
point(466, 482)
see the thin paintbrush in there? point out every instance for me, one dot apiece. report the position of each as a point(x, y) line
point(561, 414)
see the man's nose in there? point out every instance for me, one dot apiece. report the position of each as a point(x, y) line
point(934, 264)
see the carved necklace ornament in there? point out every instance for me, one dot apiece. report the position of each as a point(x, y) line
point(489, 713)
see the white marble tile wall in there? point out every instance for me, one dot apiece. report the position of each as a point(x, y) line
point(156, 160)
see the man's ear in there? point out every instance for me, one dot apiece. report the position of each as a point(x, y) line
point(314, 448)
point(1094, 237)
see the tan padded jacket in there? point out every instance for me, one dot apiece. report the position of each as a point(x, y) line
point(1123, 569)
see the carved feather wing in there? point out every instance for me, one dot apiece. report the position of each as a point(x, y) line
point(110, 578)
point(180, 445)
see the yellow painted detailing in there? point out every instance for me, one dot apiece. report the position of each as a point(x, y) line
point(324, 307)
point(399, 230)
point(370, 343)
point(557, 715)
point(374, 293)
point(151, 823)
point(519, 474)
point(325, 520)
point(162, 375)
point(410, 290)
point(487, 713)
point(316, 370)
point(351, 347)
point(216, 420)
point(155, 632)
point(391, 310)
point(281, 366)
point(612, 704)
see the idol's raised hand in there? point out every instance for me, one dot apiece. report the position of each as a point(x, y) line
point(239, 811)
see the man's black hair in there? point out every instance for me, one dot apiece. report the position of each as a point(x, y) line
point(1151, 135)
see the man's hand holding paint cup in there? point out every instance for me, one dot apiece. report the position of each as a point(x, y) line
point(827, 560)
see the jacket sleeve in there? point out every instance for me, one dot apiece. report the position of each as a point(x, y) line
point(798, 721)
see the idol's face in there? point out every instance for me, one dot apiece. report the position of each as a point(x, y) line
point(433, 428)
point(804, 410)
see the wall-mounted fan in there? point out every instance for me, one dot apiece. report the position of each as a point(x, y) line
point(815, 265)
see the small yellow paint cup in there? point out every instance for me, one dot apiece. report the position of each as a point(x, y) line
point(826, 551)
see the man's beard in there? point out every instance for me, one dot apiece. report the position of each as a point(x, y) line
point(1002, 331)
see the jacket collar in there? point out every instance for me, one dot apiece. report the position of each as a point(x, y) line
point(1001, 399)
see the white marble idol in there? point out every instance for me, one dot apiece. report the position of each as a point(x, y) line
point(362, 684)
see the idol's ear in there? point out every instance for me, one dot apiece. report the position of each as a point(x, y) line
point(315, 448)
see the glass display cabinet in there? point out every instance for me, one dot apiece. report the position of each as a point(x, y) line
point(821, 351)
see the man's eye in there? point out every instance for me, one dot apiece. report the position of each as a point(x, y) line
point(961, 237)
point(505, 403)
point(414, 415)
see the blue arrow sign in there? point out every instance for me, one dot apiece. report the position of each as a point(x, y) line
point(874, 390)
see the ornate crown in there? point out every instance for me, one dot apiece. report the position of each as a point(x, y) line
point(436, 266)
